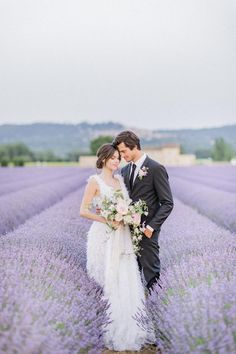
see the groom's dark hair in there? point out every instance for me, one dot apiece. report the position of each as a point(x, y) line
point(129, 138)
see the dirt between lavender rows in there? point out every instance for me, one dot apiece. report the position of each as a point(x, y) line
point(148, 350)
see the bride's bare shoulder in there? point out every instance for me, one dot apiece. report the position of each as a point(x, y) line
point(92, 186)
point(92, 180)
point(92, 177)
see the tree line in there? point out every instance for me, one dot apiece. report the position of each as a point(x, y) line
point(221, 150)
point(18, 153)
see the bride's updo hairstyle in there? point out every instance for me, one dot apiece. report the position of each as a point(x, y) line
point(104, 153)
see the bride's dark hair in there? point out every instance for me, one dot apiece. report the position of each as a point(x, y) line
point(104, 153)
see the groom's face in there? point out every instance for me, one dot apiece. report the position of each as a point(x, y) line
point(126, 153)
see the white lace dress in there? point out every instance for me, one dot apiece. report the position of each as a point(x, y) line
point(112, 263)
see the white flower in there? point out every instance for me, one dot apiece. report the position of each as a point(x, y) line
point(104, 213)
point(118, 217)
point(128, 219)
point(143, 172)
point(119, 208)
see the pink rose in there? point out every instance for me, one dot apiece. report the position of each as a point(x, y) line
point(122, 207)
point(136, 218)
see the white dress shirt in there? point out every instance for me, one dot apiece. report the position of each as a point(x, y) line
point(138, 164)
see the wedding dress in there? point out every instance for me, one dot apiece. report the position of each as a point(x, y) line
point(112, 263)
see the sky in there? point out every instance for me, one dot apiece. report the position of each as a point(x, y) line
point(156, 64)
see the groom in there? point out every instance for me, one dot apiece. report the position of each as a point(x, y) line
point(146, 179)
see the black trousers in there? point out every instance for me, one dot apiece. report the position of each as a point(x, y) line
point(149, 260)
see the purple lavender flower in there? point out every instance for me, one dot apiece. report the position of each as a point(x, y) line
point(194, 310)
point(32, 177)
point(218, 205)
point(17, 207)
point(49, 305)
point(47, 302)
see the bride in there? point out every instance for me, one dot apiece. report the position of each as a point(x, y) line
point(111, 260)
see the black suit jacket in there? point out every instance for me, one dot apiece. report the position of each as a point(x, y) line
point(154, 188)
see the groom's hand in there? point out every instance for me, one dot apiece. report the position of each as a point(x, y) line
point(148, 233)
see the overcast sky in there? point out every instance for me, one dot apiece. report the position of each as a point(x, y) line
point(150, 63)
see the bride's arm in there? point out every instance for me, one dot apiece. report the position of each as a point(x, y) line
point(90, 192)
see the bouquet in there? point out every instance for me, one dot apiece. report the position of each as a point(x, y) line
point(119, 208)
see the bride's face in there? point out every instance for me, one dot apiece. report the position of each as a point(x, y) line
point(114, 162)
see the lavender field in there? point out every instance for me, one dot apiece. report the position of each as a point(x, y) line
point(49, 305)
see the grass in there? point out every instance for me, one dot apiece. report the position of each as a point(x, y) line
point(52, 164)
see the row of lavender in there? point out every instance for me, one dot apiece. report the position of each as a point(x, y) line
point(29, 174)
point(25, 178)
point(18, 206)
point(47, 302)
point(210, 190)
point(219, 177)
point(195, 310)
point(44, 262)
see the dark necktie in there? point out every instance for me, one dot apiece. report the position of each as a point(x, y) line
point(131, 179)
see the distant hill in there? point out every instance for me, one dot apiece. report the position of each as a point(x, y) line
point(194, 139)
point(62, 138)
